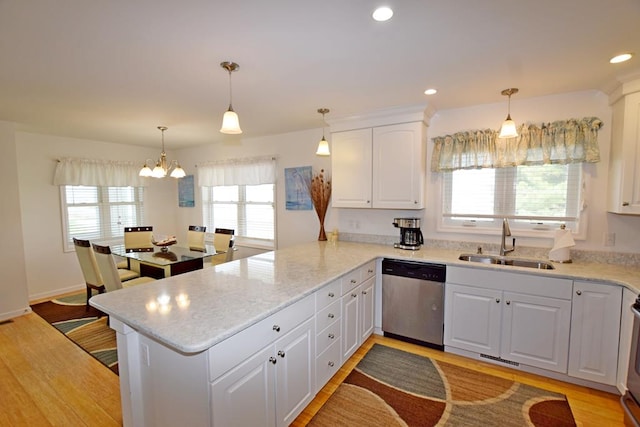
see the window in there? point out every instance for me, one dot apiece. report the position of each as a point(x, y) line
point(539, 197)
point(92, 212)
point(247, 209)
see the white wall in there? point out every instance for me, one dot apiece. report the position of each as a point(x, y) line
point(51, 270)
point(37, 213)
point(13, 286)
point(536, 110)
point(291, 150)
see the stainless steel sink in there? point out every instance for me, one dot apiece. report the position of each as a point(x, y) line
point(501, 260)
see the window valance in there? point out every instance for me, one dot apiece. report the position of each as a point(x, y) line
point(560, 142)
point(94, 172)
point(247, 171)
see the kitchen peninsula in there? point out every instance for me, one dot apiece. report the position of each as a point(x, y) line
point(187, 344)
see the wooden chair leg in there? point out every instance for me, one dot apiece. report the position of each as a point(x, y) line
point(88, 297)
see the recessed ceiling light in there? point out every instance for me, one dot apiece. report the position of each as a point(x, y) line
point(382, 14)
point(620, 58)
point(431, 91)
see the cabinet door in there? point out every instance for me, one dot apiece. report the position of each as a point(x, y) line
point(367, 308)
point(535, 331)
point(295, 372)
point(472, 319)
point(624, 164)
point(398, 166)
point(595, 331)
point(245, 396)
point(350, 323)
point(351, 169)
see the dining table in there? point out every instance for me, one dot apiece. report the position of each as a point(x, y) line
point(160, 262)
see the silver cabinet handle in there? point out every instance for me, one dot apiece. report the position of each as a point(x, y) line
point(369, 271)
point(331, 364)
point(354, 281)
point(508, 302)
point(272, 360)
point(498, 300)
point(331, 295)
point(364, 292)
point(578, 292)
point(354, 295)
point(331, 316)
point(276, 328)
point(281, 353)
point(331, 336)
point(625, 203)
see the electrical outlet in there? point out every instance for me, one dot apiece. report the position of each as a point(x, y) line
point(609, 239)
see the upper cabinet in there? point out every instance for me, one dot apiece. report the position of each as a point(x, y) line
point(380, 167)
point(624, 163)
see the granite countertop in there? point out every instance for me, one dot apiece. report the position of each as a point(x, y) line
point(192, 312)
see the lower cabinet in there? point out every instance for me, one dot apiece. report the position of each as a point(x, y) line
point(512, 326)
point(357, 317)
point(595, 332)
point(271, 387)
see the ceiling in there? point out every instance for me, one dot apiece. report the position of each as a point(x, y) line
point(115, 70)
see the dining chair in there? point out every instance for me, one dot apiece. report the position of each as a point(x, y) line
point(109, 272)
point(88, 265)
point(138, 238)
point(223, 242)
point(195, 236)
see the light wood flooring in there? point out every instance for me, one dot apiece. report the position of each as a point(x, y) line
point(46, 380)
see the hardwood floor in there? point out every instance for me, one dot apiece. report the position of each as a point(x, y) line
point(591, 408)
point(46, 380)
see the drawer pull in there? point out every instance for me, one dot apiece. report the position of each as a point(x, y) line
point(364, 292)
point(498, 300)
point(354, 295)
point(508, 302)
point(276, 328)
point(331, 295)
point(331, 316)
point(281, 353)
point(578, 292)
point(331, 336)
point(370, 271)
point(354, 281)
point(331, 364)
point(272, 360)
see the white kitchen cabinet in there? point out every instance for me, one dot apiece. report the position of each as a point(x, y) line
point(329, 332)
point(624, 161)
point(357, 307)
point(271, 364)
point(595, 331)
point(508, 316)
point(626, 334)
point(382, 167)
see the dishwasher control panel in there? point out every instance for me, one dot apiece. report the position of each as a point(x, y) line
point(417, 270)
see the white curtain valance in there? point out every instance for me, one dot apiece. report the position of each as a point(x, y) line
point(560, 142)
point(94, 172)
point(247, 171)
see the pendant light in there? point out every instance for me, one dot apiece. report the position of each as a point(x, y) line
point(508, 129)
point(162, 166)
point(323, 145)
point(230, 122)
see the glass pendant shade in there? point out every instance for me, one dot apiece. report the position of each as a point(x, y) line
point(508, 129)
point(146, 171)
point(158, 172)
point(178, 172)
point(230, 123)
point(323, 148)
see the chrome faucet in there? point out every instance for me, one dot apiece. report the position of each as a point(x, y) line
point(506, 231)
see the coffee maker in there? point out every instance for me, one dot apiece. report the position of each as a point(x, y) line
point(410, 234)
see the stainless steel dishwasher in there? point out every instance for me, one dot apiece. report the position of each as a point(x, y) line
point(413, 301)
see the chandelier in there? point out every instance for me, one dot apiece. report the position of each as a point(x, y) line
point(162, 165)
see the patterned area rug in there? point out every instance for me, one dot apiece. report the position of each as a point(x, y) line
point(86, 328)
point(391, 387)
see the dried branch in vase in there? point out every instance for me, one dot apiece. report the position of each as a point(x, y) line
point(320, 190)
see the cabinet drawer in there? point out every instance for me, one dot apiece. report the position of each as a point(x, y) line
point(350, 280)
point(228, 353)
point(327, 364)
point(328, 315)
point(327, 337)
point(368, 270)
point(328, 294)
